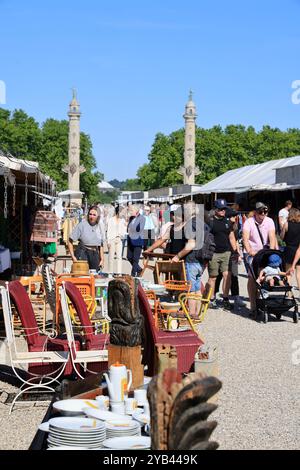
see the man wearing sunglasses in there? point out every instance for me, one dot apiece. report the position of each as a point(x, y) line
point(258, 233)
point(226, 244)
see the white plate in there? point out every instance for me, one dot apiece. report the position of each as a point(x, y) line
point(73, 407)
point(141, 417)
point(72, 443)
point(118, 425)
point(76, 435)
point(129, 442)
point(60, 437)
point(66, 448)
point(44, 426)
point(107, 415)
point(81, 425)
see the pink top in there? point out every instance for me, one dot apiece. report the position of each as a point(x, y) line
point(265, 226)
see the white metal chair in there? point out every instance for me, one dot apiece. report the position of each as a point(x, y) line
point(20, 359)
point(81, 358)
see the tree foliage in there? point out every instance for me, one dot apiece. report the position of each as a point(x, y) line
point(47, 144)
point(217, 151)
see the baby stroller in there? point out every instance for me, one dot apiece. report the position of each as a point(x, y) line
point(275, 300)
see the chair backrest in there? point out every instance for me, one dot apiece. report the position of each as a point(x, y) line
point(21, 301)
point(67, 318)
point(81, 309)
point(166, 270)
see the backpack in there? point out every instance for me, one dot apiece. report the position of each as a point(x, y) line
point(207, 251)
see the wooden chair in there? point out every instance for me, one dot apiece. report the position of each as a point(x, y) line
point(44, 359)
point(167, 271)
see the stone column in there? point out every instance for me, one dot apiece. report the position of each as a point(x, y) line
point(189, 170)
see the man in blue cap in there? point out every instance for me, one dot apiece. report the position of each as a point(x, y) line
point(226, 244)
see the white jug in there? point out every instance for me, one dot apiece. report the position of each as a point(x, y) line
point(119, 381)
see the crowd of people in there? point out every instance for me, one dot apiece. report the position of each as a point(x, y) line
point(218, 240)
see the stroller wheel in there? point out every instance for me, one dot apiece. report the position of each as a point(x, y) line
point(265, 317)
point(278, 316)
point(295, 315)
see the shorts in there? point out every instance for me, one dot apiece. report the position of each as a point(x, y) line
point(220, 262)
point(194, 272)
point(247, 262)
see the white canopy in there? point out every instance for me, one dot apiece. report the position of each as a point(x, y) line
point(250, 178)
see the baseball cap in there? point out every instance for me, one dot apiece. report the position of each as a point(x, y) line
point(220, 204)
point(274, 261)
point(260, 205)
point(230, 212)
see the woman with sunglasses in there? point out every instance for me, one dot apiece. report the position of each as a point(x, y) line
point(258, 233)
point(90, 237)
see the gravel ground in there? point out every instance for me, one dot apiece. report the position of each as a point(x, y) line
point(258, 404)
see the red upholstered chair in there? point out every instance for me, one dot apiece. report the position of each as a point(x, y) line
point(36, 342)
point(92, 341)
point(186, 342)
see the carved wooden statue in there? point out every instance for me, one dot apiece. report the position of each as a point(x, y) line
point(179, 411)
point(123, 308)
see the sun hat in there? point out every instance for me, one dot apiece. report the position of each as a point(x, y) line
point(274, 261)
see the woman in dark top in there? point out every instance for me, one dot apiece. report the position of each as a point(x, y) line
point(290, 234)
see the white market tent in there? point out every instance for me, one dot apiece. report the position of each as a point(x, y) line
point(251, 178)
point(105, 186)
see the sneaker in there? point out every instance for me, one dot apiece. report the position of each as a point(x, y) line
point(226, 305)
point(213, 304)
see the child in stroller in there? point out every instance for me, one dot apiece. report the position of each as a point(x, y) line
point(275, 297)
point(271, 274)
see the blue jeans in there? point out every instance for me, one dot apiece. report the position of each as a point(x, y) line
point(194, 272)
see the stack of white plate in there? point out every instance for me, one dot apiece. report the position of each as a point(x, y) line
point(76, 432)
point(117, 428)
point(128, 442)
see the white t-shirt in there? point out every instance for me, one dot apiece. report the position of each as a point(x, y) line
point(272, 272)
point(284, 213)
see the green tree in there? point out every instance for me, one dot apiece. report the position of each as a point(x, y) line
point(22, 136)
point(217, 151)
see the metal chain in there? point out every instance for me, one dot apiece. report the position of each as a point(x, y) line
point(5, 196)
point(36, 189)
point(14, 199)
point(26, 189)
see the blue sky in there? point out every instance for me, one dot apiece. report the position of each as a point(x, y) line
point(133, 63)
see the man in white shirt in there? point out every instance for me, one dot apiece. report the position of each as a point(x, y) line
point(284, 213)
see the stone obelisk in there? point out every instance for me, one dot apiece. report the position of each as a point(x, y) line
point(189, 170)
point(74, 168)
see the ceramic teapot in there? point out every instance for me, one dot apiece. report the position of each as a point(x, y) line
point(118, 381)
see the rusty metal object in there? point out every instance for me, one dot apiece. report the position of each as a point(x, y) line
point(179, 411)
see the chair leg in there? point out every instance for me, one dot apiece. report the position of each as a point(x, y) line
point(37, 386)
